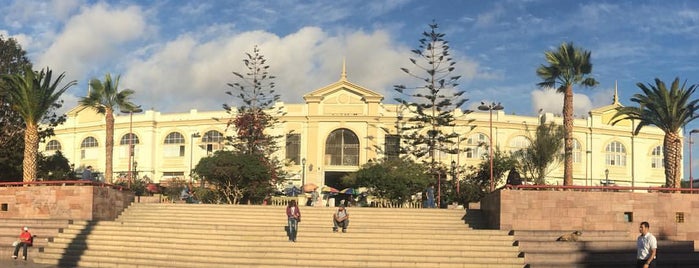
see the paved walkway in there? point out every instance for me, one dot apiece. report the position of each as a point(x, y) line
point(23, 264)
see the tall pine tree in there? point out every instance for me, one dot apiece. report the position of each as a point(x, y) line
point(431, 106)
point(258, 113)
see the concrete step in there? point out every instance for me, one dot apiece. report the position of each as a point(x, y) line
point(309, 261)
point(538, 235)
point(259, 230)
point(174, 235)
point(593, 246)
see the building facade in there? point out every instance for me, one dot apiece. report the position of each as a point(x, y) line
point(342, 126)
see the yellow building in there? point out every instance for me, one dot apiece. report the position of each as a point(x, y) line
point(338, 129)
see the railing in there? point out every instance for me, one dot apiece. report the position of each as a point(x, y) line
point(379, 203)
point(62, 183)
point(610, 188)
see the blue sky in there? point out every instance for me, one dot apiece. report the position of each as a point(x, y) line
point(179, 55)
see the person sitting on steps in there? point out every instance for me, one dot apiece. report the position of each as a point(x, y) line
point(341, 218)
point(25, 240)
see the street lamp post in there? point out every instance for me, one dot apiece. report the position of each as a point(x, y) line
point(691, 179)
point(191, 155)
point(303, 172)
point(490, 107)
point(453, 175)
point(606, 177)
point(137, 109)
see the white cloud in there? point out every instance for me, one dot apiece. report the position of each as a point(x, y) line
point(92, 38)
point(552, 102)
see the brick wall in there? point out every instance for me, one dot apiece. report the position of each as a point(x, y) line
point(76, 202)
point(575, 210)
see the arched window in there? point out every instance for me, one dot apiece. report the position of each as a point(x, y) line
point(213, 140)
point(88, 148)
point(518, 143)
point(53, 145)
point(577, 151)
point(656, 158)
point(89, 142)
point(129, 139)
point(615, 154)
point(477, 146)
point(174, 145)
point(342, 148)
point(174, 138)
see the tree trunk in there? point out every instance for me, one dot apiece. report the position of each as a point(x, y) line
point(109, 145)
point(568, 129)
point(672, 158)
point(31, 149)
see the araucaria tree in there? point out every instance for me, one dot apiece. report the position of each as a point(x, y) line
point(568, 66)
point(33, 95)
point(256, 115)
point(105, 98)
point(431, 105)
point(669, 109)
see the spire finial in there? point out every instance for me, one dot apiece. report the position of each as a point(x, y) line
point(616, 92)
point(343, 76)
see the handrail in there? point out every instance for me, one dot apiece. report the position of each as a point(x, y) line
point(62, 183)
point(600, 188)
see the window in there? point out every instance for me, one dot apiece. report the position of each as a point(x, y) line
point(88, 148)
point(174, 138)
point(477, 146)
point(342, 148)
point(577, 151)
point(53, 145)
point(174, 145)
point(129, 138)
point(615, 154)
point(213, 141)
point(89, 142)
point(392, 147)
point(518, 143)
point(656, 159)
point(293, 148)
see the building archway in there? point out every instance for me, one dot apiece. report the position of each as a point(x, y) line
point(342, 148)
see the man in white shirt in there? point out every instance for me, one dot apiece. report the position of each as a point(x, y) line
point(341, 219)
point(646, 246)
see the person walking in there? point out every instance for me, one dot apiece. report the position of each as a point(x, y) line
point(25, 240)
point(646, 246)
point(293, 215)
point(430, 196)
point(341, 219)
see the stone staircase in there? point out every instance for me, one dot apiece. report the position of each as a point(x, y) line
point(597, 249)
point(198, 235)
point(42, 230)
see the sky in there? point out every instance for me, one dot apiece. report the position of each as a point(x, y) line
point(179, 55)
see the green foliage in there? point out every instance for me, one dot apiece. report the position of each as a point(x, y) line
point(257, 114)
point(432, 104)
point(395, 180)
point(477, 183)
point(544, 150)
point(173, 189)
point(668, 109)
point(568, 66)
point(35, 97)
point(55, 167)
point(237, 176)
point(105, 97)
point(13, 60)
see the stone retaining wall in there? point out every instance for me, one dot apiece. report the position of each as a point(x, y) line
point(671, 216)
point(76, 202)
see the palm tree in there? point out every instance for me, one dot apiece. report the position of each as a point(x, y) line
point(670, 110)
point(567, 67)
point(32, 95)
point(105, 97)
